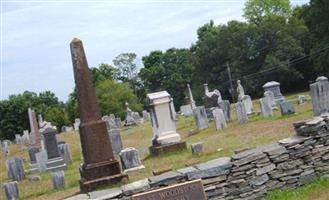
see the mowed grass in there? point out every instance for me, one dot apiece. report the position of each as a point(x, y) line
point(257, 132)
point(318, 190)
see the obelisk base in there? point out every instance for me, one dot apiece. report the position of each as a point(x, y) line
point(98, 174)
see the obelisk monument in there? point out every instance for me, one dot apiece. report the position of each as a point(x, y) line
point(100, 166)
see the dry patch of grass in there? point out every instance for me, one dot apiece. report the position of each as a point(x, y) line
point(257, 132)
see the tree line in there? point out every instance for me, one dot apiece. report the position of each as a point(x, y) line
point(275, 42)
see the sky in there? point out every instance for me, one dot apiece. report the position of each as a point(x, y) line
point(35, 35)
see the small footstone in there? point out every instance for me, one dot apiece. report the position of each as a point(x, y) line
point(58, 180)
point(130, 159)
point(197, 148)
point(287, 108)
point(11, 190)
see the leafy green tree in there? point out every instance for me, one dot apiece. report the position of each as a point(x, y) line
point(256, 52)
point(170, 70)
point(112, 97)
point(104, 72)
point(72, 107)
point(57, 116)
point(316, 17)
point(256, 11)
point(14, 117)
point(126, 63)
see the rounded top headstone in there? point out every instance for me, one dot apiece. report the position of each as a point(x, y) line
point(271, 84)
point(321, 78)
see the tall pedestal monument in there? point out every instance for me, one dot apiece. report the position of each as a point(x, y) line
point(100, 166)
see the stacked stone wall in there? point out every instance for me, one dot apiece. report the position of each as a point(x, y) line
point(251, 174)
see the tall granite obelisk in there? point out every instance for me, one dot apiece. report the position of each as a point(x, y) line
point(100, 166)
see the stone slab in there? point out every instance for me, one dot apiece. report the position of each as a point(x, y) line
point(105, 194)
point(165, 179)
point(192, 190)
point(157, 150)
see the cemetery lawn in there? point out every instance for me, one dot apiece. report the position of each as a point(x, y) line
point(318, 190)
point(257, 132)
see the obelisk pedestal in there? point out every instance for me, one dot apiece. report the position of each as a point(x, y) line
point(99, 167)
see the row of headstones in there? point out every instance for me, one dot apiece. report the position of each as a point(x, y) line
point(15, 166)
point(12, 190)
point(134, 118)
point(244, 108)
point(55, 158)
point(267, 105)
point(21, 140)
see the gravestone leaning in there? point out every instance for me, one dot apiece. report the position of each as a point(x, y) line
point(99, 167)
point(192, 102)
point(201, 118)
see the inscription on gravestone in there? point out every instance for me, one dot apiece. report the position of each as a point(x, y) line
point(192, 190)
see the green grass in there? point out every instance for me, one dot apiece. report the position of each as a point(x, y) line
point(319, 189)
point(257, 132)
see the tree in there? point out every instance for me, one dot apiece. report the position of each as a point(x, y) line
point(104, 72)
point(126, 63)
point(72, 107)
point(256, 11)
point(14, 117)
point(316, 17)
point(170, 70)
point(112, 97)
point(57, 116)
point(257, 53)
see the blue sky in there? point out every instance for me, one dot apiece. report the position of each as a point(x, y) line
point(35, 53)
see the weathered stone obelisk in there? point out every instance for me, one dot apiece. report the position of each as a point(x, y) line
point(100, 166)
